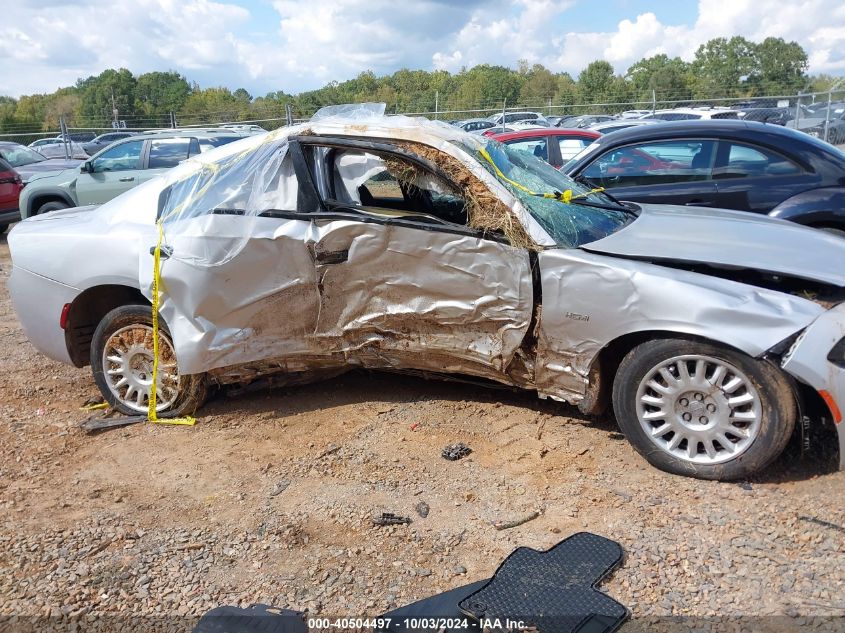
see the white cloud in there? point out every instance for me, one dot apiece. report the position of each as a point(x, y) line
point(45, 44)
point(44, 47)
point(818, 25)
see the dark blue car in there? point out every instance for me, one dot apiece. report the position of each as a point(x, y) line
point(725, 164)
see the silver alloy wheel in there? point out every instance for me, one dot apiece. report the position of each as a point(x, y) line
point(699, 409)
point(128, 368)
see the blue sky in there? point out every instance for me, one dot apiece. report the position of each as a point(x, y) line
point(268, 45)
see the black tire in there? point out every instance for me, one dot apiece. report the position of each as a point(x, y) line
point(192, 389)
point(3, 228)
point(53, 205)
point(777, 409)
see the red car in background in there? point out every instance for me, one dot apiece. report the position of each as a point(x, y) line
point(554, 145)
point(10, 189)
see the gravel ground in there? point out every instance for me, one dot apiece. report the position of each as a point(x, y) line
point(270, 498)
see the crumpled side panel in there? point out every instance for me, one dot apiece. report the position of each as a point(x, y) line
point(259, 303)
point(398, 297)
point(590, 300)
point(422, 290)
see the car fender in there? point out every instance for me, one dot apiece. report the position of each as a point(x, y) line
point(34, 192)
point(591, 300)
point(818, 207)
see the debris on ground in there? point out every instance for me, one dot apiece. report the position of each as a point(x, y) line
point(388, 518)
point(280, 487)
point(100, 424)
point(827, 524)
point(506, 525)
point(454, 452)
point(422, 509)
point(331, 449)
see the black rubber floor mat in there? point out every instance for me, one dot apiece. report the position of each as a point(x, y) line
point(553, 591)
point(259, 618)
point(435, 613)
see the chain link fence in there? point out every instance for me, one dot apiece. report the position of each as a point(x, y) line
point(821, 114)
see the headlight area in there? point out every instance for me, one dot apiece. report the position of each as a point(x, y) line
point(817, 359)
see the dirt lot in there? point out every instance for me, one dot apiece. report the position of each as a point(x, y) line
point(269, 498)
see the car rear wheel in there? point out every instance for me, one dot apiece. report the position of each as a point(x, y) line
point(122, 362)
point(3, 228)
point(703, 410)
point(54, 205)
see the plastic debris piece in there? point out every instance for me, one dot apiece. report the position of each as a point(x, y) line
point(454, 452)
point(388, 518)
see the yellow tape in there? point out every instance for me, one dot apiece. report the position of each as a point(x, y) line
point(563, 196)
point(94, 407)
point(152, 414)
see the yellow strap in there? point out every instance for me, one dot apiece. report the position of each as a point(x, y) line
point(94, 407)
point(152, 414)
point(563, 196)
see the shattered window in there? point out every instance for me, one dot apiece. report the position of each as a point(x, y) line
point(570, 224)
point(386, 184)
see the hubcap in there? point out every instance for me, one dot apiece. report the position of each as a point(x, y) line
point(699, 409)
point(128, 367)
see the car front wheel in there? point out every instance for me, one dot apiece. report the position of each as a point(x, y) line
point(55, 205)
point(122, 362)
point(703, 410)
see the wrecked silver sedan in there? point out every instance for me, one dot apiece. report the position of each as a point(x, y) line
point(402, 244)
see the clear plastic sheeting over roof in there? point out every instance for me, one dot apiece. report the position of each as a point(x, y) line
point(252, 182)
point(350, 112)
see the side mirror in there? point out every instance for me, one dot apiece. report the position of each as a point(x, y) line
point(87, 167)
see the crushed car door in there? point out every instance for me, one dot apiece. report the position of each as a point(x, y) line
point(403, 281)
point(240, 287)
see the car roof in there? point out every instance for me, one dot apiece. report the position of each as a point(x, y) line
point(752, 131)
point(546, 131)
point(183, 134)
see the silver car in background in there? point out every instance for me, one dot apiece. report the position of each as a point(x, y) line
point(402, 244)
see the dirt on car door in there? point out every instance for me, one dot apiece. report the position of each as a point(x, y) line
point(402, 284)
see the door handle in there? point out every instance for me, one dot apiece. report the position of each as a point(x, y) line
point(331, 257)
point(126, 179)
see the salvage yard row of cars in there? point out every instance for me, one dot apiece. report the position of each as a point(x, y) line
point(822, 119)
point(402, 244)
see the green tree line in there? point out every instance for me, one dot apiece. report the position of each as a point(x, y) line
point(722, 68)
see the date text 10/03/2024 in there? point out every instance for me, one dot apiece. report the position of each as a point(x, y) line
point(413, 624)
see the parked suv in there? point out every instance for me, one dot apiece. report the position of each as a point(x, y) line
point(114, 170)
